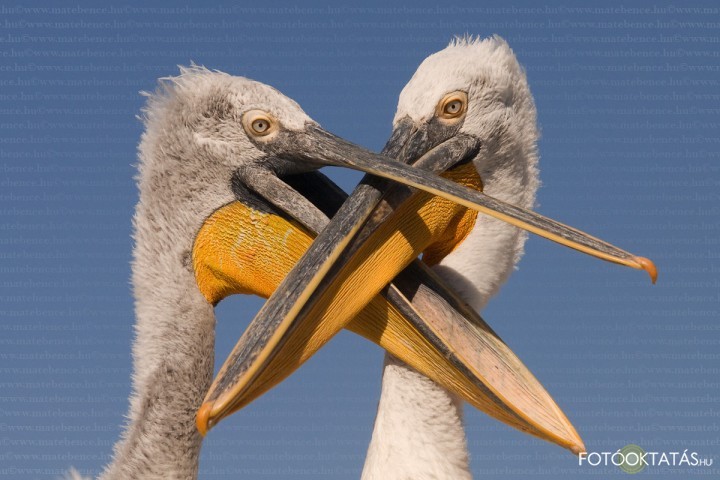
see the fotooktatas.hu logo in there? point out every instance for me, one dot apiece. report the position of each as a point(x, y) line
point(634, 459)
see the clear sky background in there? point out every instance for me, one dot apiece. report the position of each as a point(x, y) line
point(628, 103)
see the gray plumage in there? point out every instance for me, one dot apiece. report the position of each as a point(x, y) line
point(192, 144)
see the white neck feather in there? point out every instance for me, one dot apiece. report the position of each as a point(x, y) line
point(482, 263)
point(418, 431)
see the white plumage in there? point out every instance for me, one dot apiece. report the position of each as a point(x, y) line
point(418, 431)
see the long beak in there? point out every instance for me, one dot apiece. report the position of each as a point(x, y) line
point(331, 150)
point(417, 319)
point(321, 295)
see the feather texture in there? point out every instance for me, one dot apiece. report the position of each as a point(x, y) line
point(418, 431)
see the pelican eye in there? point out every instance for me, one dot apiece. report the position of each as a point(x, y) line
point(258, 123)
point(452, 106)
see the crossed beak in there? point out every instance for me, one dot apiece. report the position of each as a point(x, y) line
point(361, 272)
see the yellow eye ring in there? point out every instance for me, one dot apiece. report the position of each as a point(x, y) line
point(258, 123)
point(453, 106)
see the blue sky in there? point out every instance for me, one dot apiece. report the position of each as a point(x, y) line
point(628, 104)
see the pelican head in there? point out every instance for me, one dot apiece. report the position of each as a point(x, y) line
point(476, 88)
point(212, 122)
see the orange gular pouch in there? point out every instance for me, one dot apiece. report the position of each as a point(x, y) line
point(243, 249)
point(249, 250)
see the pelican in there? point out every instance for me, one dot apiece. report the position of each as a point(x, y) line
point(483, 101)
point(418, 430)
point(211, 184)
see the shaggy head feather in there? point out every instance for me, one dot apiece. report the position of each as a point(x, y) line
point(501, 113)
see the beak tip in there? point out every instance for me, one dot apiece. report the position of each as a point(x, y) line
point(648, 265)
point(202, 420)
point(577, 449)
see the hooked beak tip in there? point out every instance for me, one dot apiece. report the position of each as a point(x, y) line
point(578, 449)
point(202, 421)
point(648, 265)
